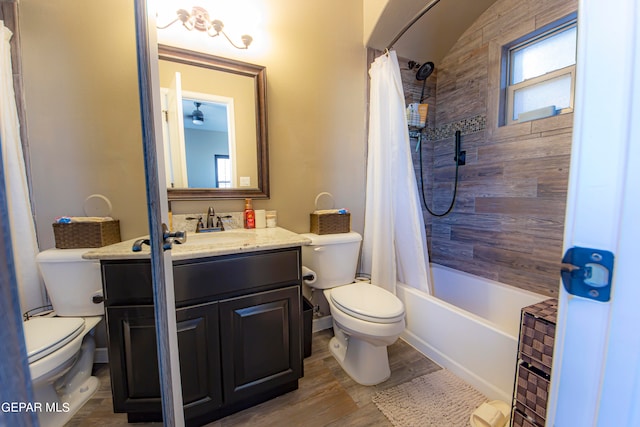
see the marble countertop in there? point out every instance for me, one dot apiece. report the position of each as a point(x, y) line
point(203, 245)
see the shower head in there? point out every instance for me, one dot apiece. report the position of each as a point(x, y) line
point(424, 71)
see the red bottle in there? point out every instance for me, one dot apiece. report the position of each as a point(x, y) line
point(249, 215)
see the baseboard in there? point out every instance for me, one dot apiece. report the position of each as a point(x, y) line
point(322, 323)
point(101, 355)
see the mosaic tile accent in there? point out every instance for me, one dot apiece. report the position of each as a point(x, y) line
point(465, 126)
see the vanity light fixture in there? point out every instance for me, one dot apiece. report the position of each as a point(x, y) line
point(197, 116)
point(199, 20)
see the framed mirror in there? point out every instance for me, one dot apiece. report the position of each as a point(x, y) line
point(214, 126)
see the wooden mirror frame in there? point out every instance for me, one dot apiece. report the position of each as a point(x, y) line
point(258, 74)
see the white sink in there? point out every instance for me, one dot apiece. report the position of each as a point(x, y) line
point(219, 237)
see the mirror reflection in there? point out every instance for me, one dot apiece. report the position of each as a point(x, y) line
point(213, 126)
point(207, 131)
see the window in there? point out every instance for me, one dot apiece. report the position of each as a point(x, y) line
point(539, 75)
point(223, 171)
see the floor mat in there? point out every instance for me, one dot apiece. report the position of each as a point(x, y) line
point(439, 399)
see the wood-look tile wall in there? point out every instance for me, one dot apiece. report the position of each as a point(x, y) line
point(508, 219)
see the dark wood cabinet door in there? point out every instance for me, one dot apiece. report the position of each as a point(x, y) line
point(134, 363)
point(261, 340)
point(133, 359)
point(199, 345)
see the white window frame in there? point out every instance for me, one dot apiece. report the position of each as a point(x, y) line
point(528, 40)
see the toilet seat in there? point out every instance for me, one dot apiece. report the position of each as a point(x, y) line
point(44, 335)
point(368, 302)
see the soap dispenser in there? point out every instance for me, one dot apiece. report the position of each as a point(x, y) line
point(249, 215)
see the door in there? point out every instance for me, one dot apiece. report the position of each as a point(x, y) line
point(161, 266)
point(260, 337)
point(134, 375)
point(199, 342)
point(596, 372)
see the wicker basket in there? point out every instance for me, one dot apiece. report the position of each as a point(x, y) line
point(537, 333)
point(86, 234)
point(330, 223)
point(520, 420)
point(532, 393)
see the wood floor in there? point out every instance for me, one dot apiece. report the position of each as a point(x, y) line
point(326, 395)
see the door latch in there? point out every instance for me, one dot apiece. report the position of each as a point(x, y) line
point(169, 238)
point(587, 273)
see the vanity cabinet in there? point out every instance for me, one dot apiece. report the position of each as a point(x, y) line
point(239, 326)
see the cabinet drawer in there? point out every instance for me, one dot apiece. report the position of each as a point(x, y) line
point(532, 393)
point(127, 282)
point(234, 274)
point(199, 280)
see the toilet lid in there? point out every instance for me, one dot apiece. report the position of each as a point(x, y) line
point(368, 302)
point(44, 335)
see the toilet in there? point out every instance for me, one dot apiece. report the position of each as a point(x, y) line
point(366, 317)
point(60, 346)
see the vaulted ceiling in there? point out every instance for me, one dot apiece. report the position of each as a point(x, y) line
point(431, 37)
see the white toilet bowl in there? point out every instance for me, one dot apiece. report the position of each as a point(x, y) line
point(60, 346)
point(366, 320)
point(60, 352)
point(366, 317)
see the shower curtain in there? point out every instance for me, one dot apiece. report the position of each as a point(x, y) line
point(23, 234)
point(395, 245)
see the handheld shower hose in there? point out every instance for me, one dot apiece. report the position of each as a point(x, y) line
point(459, 159)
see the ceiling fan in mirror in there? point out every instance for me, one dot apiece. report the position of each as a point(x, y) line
point(197, 117)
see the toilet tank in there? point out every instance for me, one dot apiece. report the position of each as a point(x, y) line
point(71, 282)
point(333, 257)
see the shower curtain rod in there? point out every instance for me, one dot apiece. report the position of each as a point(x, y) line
point(419, 15)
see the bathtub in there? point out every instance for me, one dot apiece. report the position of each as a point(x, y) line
point(470, 327)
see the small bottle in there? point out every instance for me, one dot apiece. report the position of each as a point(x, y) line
point(249, 215)
point(271, 219)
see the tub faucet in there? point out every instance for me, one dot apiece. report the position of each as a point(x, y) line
point(211, 214)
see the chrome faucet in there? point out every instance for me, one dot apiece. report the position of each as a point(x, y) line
point(210, 224)
point(211, 214)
